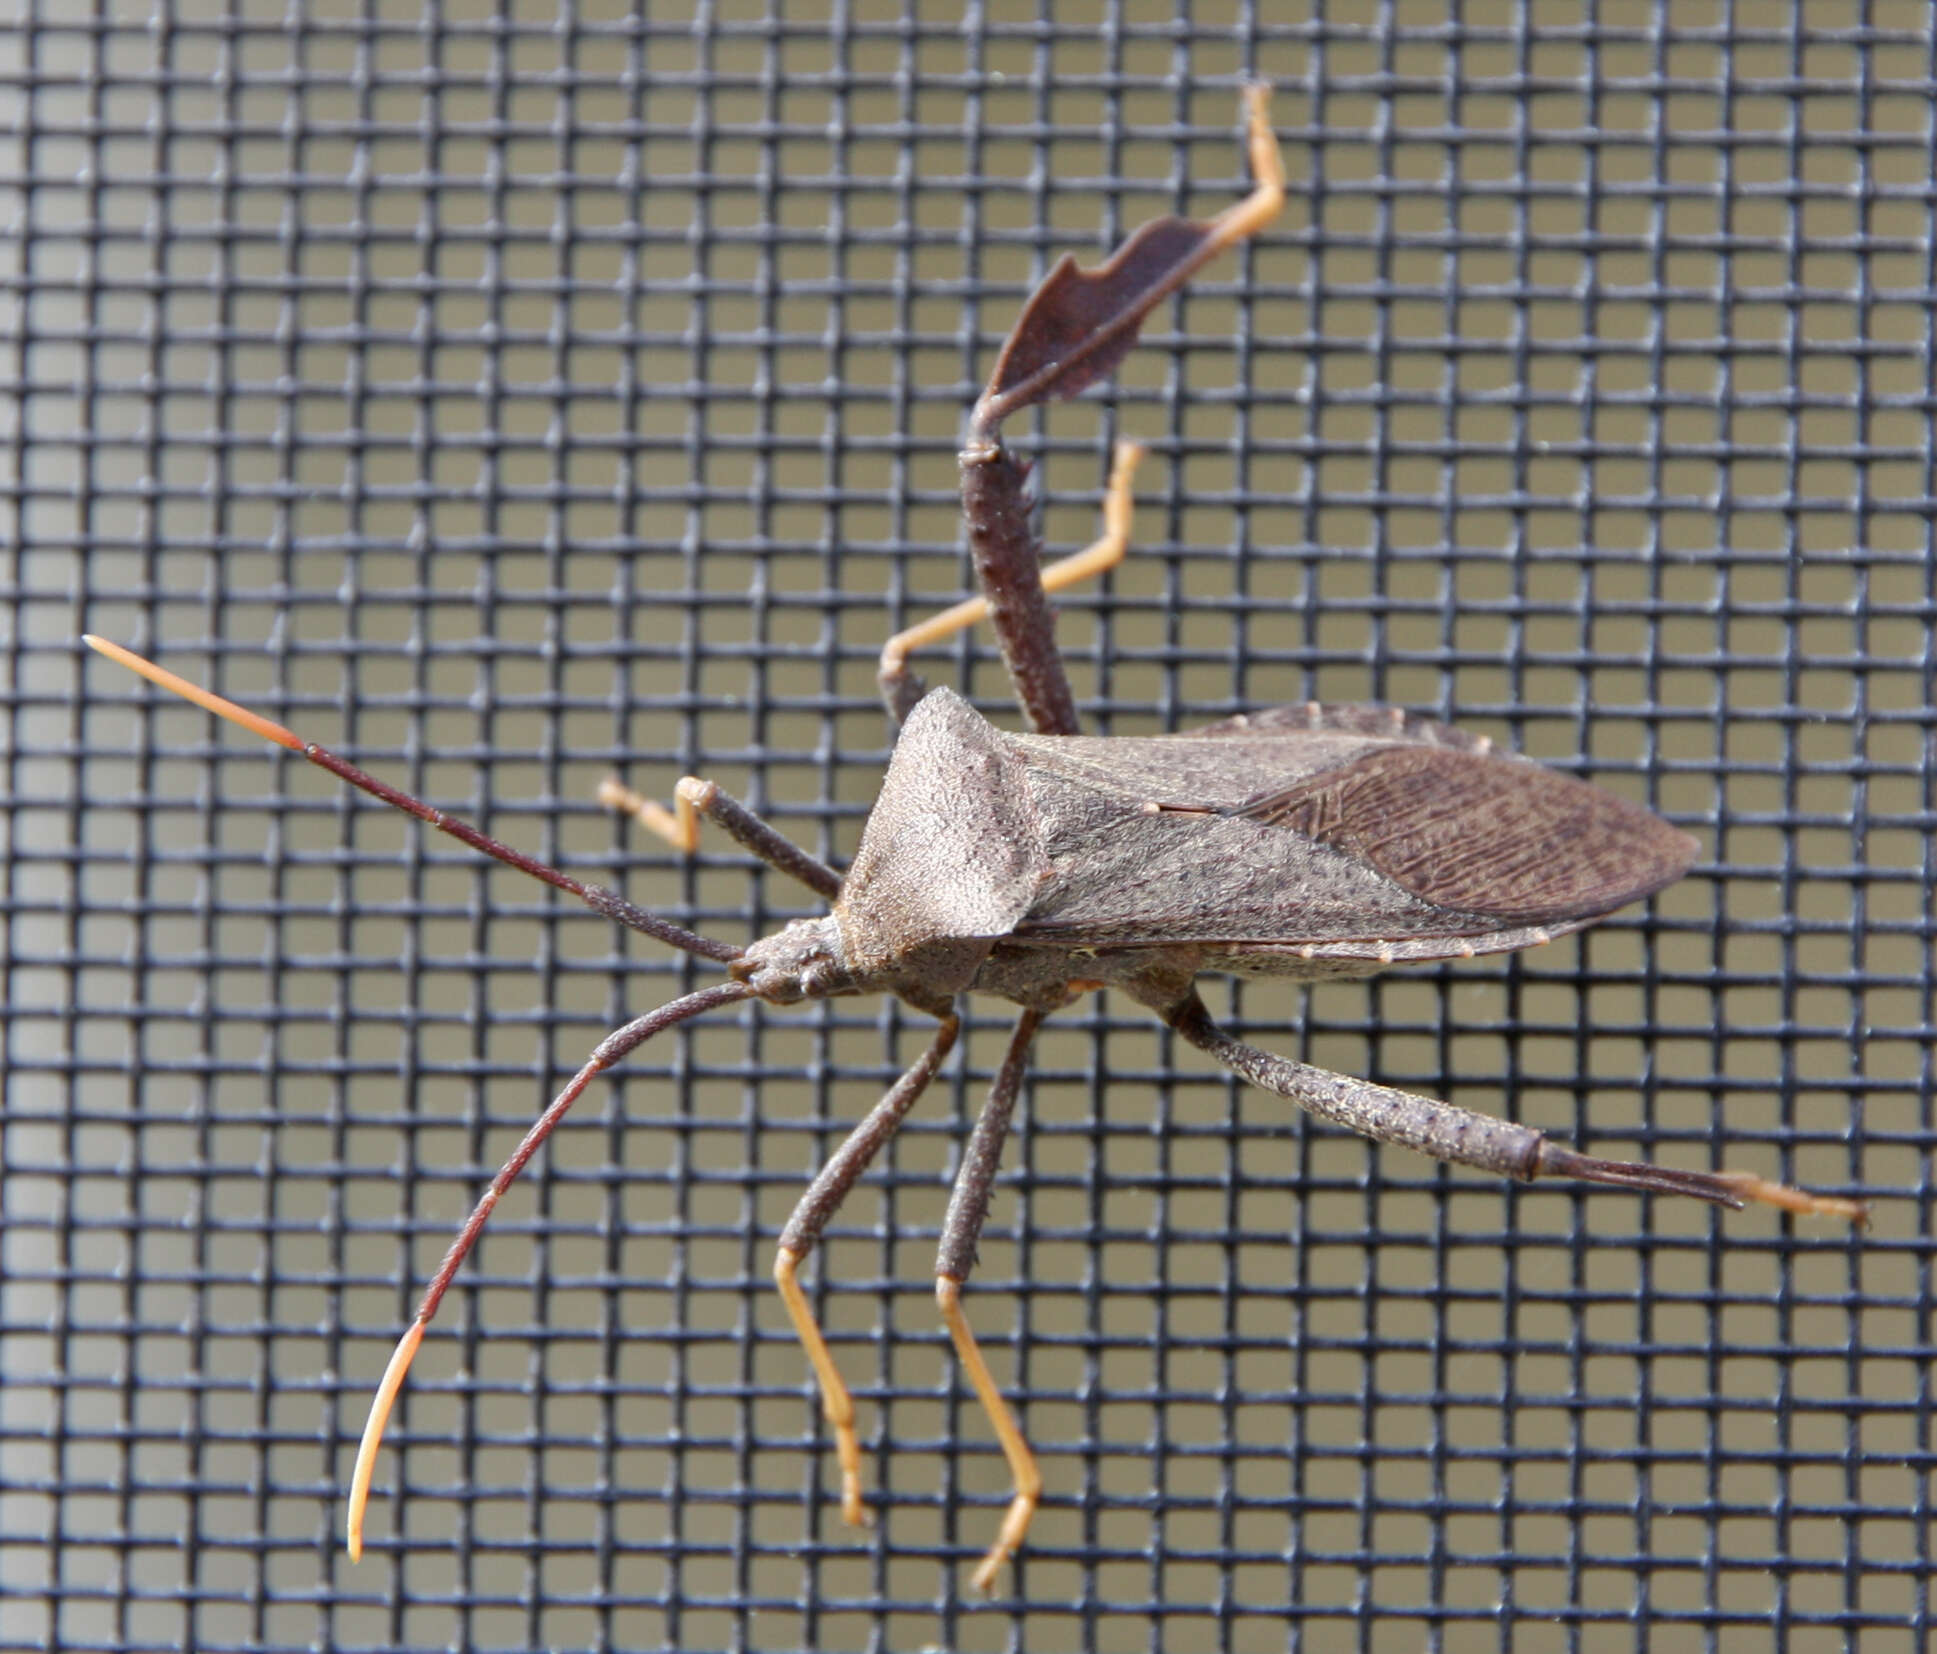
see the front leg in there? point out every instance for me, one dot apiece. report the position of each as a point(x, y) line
point(1075, 329)
point(803, 1231)
point(694, 800)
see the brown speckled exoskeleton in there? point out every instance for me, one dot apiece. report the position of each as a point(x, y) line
point(1308, 842)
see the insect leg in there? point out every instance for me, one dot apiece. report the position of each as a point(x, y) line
point(901, 688)
point(968, 1207)
point(678, 826)
point(1448, 1132)
point(1075, 328)
point(694, 798)
point(819, 1204)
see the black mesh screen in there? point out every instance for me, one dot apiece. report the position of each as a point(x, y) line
point(512, 394)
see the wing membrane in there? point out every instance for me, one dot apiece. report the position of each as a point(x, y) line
point(1348, 828)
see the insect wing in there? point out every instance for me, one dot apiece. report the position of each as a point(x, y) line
point(1328, 827)
point(1482, 834)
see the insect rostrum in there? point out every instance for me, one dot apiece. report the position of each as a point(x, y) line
point(1306, 842)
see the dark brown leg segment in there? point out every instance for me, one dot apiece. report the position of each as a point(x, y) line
point(817, 1206)
point(968, 1208)
point(1465, 1138)
point(1008, 567)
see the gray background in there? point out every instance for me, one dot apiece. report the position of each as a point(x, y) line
point(506, 395)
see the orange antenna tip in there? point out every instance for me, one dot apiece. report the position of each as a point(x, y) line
point(254, 722)
point(366, 1451)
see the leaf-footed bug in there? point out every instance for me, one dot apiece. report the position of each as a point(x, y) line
point(1309, 842)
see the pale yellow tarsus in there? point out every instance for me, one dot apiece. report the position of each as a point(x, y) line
point(1267, 198)
point(678, 826)
point(1799, 1201)
point(1022, 1462)
point(836, 1403)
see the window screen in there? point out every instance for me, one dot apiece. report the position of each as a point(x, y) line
point(514, 394)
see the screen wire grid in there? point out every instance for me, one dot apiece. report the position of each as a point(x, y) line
point(508, 395)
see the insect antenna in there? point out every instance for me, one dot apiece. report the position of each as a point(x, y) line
point(609, 1051)
point(612, 1049)
point(595, 896)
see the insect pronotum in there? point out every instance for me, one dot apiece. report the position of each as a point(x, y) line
point(1308, 842)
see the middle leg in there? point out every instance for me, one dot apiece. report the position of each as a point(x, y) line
point(901, 688)
point(968, 1209)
